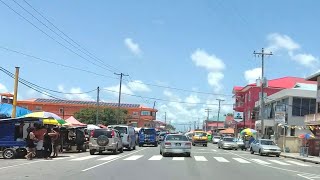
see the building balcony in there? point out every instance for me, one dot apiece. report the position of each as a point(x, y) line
point(312, 119)
point(238, 106)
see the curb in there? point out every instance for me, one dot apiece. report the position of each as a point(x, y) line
point(301, 159)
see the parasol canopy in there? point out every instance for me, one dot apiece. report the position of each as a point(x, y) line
point(306, 136)
point(248, 132)
point(47, 117)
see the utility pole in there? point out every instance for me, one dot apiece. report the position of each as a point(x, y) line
point(208, 110)
point(218, 118)
point(98, 104)
point(14, 104)
point(262, 83)
point(165, 118)
point(119, 101)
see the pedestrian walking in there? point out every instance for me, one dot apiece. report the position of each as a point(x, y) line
point(30, 141)
point(56, 142)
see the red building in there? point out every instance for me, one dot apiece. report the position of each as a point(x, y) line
point(247, 96)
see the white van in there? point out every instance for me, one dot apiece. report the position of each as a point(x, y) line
point(128, 135)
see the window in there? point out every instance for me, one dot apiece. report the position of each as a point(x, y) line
point(38, 108)
point(145, 113)
point(303, 106)
point(292, 132)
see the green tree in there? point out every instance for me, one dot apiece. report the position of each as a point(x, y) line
point(169, 127)
point(107, 116)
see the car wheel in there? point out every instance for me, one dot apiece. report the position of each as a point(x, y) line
point(236, 149)
point(219, 147)
point(121, 150)
point(188, 155)
point(277, 155)
point(260, 154)
point(134, 147)
point(251, 151)
point(92, 152)
point(160, 152)
point(115, 151)
point(164, 155)
point(193, 144)
point(8, 154)
point(205, 145)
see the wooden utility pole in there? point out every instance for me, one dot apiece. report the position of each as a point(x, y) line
point(218, 118)
point(15, 95)
point(98, 104)
point(262, 83)
point(119, 101)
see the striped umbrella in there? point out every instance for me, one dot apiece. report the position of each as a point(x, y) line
point(47, 117)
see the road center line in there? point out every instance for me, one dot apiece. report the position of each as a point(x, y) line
point(112, 160)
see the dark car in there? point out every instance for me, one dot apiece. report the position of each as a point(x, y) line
point(161, 136)
point(147, 136)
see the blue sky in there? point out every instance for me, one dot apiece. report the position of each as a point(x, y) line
point(194, 45)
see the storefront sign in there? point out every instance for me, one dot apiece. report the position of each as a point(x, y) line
point(238, 116)
point(280, 117)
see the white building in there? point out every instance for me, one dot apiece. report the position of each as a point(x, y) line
point(295, 103)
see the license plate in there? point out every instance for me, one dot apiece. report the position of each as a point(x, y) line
point(178, 144)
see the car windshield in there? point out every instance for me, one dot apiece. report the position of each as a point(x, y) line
point(149, 131)
point(176, 138)
point(200, 134)
point(216, 137)
point(267, 142)
point(122, 130)
point(239, 140)
point(229, 139)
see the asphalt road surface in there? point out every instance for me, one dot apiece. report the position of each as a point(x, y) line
point(146, 163)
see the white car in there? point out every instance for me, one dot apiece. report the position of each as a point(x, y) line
point(128, 136)
point(265, 146)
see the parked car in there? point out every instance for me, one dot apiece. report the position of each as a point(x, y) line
point(105, 139)
point(216, 139)
point(147, 136)
point(128, 136)
point(200, 137)
point(228, 143)
point(265, 146)
point(241, 144)
point(175, 144)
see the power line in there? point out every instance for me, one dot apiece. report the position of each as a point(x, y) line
point(88, 60)
point(40, 87)
point(153, 98)
point(68, 37)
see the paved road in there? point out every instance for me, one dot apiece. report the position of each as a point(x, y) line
point(146, 162)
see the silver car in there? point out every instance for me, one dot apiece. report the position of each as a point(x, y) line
point(228, 143)
point(216, 139)
point(175, 144)
point(105, 140)
point(265, 146)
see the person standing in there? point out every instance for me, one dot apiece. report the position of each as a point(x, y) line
point(47, 144)
point(31, 139)
point(56, 143)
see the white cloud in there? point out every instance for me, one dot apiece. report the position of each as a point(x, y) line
point(307, 60)
point(252, 75)
point(202, 59)
point(138, 86)
point(281, 41)
point(132, 46)
point(192, 99)
point(78, 95)
point(115, 89)
point(3, 88)
point(213, 64)
point(167, 93)
point(214, 79)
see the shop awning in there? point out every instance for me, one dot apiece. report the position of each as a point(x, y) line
point(227, 131)
point(74, 122)
point(6, 110)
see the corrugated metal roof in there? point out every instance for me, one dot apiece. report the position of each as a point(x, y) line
point(85, 103)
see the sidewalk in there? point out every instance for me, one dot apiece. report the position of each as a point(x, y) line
point(312, 159)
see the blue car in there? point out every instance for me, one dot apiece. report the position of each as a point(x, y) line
point(148, 136)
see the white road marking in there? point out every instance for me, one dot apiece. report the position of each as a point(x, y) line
point(133, 158)
point(108, 158)
point(260, 161)
point(297, 163)
point(156, 158)
point(214, 150)
point(83, 158)
point(200, 158)
point(221, 159)
point(113, 160)
point(240, 160)
point(279, 162)
point(309, 176)
point(178, 158)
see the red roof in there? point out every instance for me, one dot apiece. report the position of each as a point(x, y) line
point(284, 82)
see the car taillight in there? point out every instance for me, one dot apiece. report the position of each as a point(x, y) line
point(167, 144)
point(188, 144)
point(112, 134)
point(92, 133)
